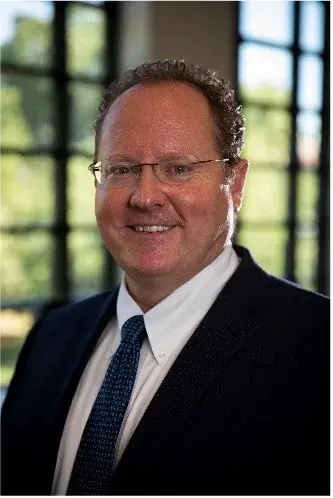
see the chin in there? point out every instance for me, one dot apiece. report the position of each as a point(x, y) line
point(149, 267)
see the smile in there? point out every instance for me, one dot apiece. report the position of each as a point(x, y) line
point(151, 228)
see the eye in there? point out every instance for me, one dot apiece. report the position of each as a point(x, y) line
point(180, 169)
point(120, 170)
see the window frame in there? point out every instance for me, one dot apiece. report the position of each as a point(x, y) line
point(61, 153)
point(322, 278)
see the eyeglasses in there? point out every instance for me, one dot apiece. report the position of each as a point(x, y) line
point(117, 173)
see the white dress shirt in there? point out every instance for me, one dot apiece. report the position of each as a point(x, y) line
point(169, 326)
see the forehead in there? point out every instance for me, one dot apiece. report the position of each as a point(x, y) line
point(152, 115)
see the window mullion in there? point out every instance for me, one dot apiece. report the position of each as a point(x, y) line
point(112, 12)
point(323, 277)
point(294, 164)
point(60, 276)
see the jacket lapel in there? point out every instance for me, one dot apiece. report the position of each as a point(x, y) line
point(224, 330)
point(84, 335)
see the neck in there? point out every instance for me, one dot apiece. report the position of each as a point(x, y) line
point(148, 292)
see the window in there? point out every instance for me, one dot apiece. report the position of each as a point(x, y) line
point(56, 59)
point(282, 76)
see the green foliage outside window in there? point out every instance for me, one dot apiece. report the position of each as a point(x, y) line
point(28, 182)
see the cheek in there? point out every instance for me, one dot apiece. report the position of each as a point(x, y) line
point(107, 207)
point(102, 209)
point(207, 207)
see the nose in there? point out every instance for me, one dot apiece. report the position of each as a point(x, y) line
point(149, 191)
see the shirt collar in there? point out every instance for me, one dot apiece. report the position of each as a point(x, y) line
point(169, 321)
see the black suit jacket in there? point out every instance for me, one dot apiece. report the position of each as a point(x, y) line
point(244, 409)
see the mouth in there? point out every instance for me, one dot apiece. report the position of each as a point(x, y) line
point(151, 228)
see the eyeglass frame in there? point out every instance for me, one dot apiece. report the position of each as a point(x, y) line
point(92, 167)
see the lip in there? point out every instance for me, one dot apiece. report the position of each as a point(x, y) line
point(158, 223)
point(151, 234)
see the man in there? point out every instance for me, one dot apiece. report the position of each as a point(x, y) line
point(201, 374)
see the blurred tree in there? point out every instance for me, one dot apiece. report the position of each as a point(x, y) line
point(31, 43)
point(27, 183)
point(15, 130)
point(268, 94)
point(84, 102)
point(267, 130)
point(85, 38)
point(268, 135)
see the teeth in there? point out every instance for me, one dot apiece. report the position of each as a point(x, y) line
point(153, 228)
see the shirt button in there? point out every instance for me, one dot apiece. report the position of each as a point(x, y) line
point(161, 355)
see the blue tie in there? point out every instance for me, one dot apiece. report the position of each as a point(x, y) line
point(94, 460)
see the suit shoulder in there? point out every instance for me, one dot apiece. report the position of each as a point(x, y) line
point(287, 290)
point(260, 285)
point(85, 306)
point(294, 307)
point(88, 302)
point(53, 327)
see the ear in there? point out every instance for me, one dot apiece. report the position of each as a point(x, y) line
point(238, 183)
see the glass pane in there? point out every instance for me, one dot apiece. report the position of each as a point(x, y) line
point(26, 267)
point(27, 117)
point(308, 139)
point(267, 246)
point(81, 192)
point(26, 34)
point(265, 196)
point(312, 26)
point(310, 77)
point(14, 326)
point(306, 261)
point(86, 40)
point(267, 137)
point(86, 263)
point(307, 195)
point(27, 190)
point(264, 74)
point(85, 100)
point(267, 21)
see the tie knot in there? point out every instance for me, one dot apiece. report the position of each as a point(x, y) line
point(133, 329)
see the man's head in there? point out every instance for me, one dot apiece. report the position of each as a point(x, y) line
point(159, 113)
point(228, 116)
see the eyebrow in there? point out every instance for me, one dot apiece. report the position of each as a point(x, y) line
point(166, 157)
point(121, 157)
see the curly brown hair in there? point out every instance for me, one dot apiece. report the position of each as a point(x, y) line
point(229, 118)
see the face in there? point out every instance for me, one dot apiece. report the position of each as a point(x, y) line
point(149, 123)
